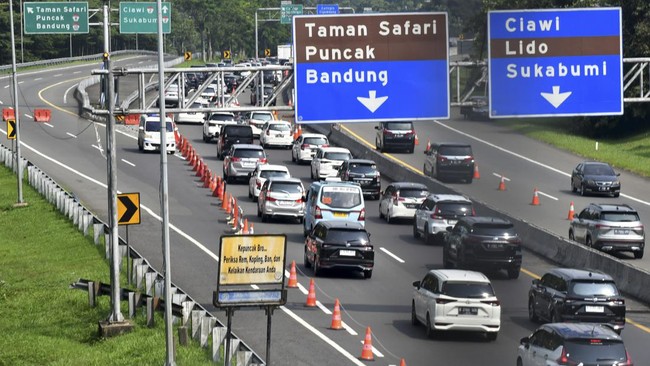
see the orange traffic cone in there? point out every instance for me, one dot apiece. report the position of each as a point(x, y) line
point(235, 214)
point(206, 178)
point(535, 198)
point(293, 279)
point(299, 130)
point(477, 175)
point(226, 205)
point(215, 186)
point(402, 362)
point(200, 171)
point(366, 351)
point(336, 316)
point(428, 147)
point(502, 184)
point(245, 229)
point(311, 296)
point(571, 212)
point(417, 140)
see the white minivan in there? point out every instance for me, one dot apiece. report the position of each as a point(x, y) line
point(149, 133)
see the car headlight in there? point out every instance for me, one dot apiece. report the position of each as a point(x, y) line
point(616, 183)
point(591, 182)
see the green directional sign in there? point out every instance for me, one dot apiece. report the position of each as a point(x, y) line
point(287, 11)
point(55, 17)
point(142, 17)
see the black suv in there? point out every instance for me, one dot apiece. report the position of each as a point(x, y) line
point(573, 344)
point(339, 244)
point(395, 135)
point(365, 173)
point(485, 242)
point(233, 134)
point(449, 161)
point(576, 295)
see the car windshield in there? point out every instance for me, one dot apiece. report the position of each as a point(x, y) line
point(620, 216)
point(455, 150)
point(222, 117)
point(154, 126)
point(595, 351)
point(598, 169)
point(286, 187)
point(249, 153)
point(279, 127)
point(468, 290)
point(363, 168)
point(274, 174)
point(337, 156)
point(347, 236)
point(454, 208)
point(494, 230)
point(413, 193)
point(197, 105)
point(261, 116)
point(398, 125)
point(315, 141)
point(590, 288)
point(349, 198)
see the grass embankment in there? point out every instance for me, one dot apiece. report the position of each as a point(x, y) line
point(631, 153)
point(42, 321)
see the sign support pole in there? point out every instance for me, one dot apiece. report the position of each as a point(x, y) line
point(14, 82)
point(227, 355)
point(269, 314)
point(128, 256)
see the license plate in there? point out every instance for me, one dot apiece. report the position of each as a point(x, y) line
point(602, 188)
point(341, 214)
point(467, 311)
point(411, 205)
point(248, 165)
point(347, 253)
point(451, 222)
point(594, 309)
point(279, 136)
point(494, 245)
point(285, 203)
point(621, 232)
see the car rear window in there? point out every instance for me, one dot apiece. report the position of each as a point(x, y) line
point(620, 216)
point(315, 141)
point(494, 230)
point(238, 131)
point(413, 193)
point(341, 197)
point(455, 150)
point(337, 156)
point(363, 168)
point(599, 170)
point(287, 187)
point(453, 208)
point(221, 117)
point(249, 153)
point(357, 237)
point(471, 290)
point(595, 351)
point(261, 116)
point(274, 174)
point(279, 127)
point(398, 125)
point(154, 126)
point(591, 288)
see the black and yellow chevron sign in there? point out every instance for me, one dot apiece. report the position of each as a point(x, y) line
point(188, 55)
point(226, 54)
point(267, 52)
point(128, 209)
point(11, 128)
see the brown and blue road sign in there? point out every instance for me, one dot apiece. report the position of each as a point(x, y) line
point(128, 209)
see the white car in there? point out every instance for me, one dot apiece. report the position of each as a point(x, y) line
point(149, 133)
point(257, 119)
point(400, 200)
point(193, 117)
point(458, 300)
point(263, 172)
point(327, 161)
point(212, 126)
point(304, 147)
point(437, 212)
point(276, 133)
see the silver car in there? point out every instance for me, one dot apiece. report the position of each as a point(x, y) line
point(281, 197)
point(437, 212)
point(610, 228)
point(241, 160)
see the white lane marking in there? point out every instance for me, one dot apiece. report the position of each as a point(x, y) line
point(28, 116)
point(547, 195)
point(20, 82)
point(57, 75)
point(140, 62)
point(128, 162)
point(38, 79)
point(391, 254)
point(65, 95)
point(375, 351)
point(6, 86)
point(527, 158)
point(76, 72)
point(48, 125)
point(98, 147)
point(1, 102)
point(71, 135)
point(501, 176)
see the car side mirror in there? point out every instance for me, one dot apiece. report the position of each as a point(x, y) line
point(536, 282)
point(376, 127)
point(525, 341)
point(618, 174)
point(416, 284)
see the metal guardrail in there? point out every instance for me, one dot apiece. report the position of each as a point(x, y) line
point(148, 282)
point(65, 60)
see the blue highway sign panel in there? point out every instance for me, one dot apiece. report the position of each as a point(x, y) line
point(371, 67)
point(552, 62)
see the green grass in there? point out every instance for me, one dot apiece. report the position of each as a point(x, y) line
point(42, 321)
point(631, 153)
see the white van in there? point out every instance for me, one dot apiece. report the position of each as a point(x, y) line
point(333, 200)
point(149, 134)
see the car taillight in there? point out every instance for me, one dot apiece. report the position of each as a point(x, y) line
point(473, 212)
point(362, 215)
point(492, 302)
point(628, 360)
point(234, 158)
point(436, 214)
point(469, 159)
point(304, 146)
point(269, 198)
point(325, 145)
point(258, 183)
point(317, 213)
point(395, 198)
point(602, 227)
point(263, 161)
point(564, 358)
point(443, 301)
point(387, 133)
point(411, 132)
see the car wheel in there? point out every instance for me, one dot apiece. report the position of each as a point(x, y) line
point(367, 274)
point(259, 212)
point(381, 215)
point(317, 269)
point(414, 318)
point(557, 318)
point(300, 219)
point(513, 273)
point(424, 170)
point(572, 236)
point(306, 260)
point(428, 238)
point(573, 188)
point(411, 149)
point(265, 217)
point(311, 172)
point(588, 242)
point(532, 315)
point(250, 195)
point(582, 189)
point(388, 219)
point(617, 194)
point(205, 138)
point(293, 157)
point(376, 144)
point(382, 148)
point(491, 336)
point(416, 233)
point(638, 254)
point(429, 332)
point(254, 198)
point(470, 178)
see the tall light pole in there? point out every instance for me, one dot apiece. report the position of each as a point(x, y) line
point(19, 166)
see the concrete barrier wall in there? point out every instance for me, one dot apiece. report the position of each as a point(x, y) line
point(630, 279)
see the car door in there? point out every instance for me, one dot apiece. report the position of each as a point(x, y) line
point(422, 214)
point(580, 225)
point(309, 209)
point(261, 198)
point(295, 148)
point(454, 240)
point(315, 163)
point(576, 176)
point(253, 180)
point(386, 199)
point(549, 290)
point(537, 351)
point(423, 295)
